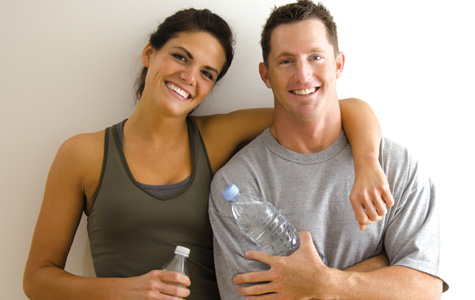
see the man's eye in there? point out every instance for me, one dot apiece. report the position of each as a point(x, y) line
point(285, 62)
point(316, 57)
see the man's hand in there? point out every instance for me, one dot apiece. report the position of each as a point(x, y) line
point(297, 276)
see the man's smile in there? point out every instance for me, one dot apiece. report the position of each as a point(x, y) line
point(304, 91)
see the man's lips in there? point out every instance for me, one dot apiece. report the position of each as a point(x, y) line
point(305, 92)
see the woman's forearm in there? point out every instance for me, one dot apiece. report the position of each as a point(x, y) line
point(362, 129)
point(54, 283)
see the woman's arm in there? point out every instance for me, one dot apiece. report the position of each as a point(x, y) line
point(69, 180)
point(370, 193)
point(63, 204)
point(223, 133)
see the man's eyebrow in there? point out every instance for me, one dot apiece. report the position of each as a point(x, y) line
point(190, 56)
point(286, 53)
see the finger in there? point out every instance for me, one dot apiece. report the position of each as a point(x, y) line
point(388, 197)
point(362, 226)
point(259, 256)
point(171, 290)
point(380, 207)
point(271, 296)
point(251, 277)
point(175, 277)
point(360, 215)
point(305, 238)
point(372, 212)
point(257, 289)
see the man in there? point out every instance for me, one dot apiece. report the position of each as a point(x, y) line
point(303, 165)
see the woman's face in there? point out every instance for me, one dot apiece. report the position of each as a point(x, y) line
point(182, 73)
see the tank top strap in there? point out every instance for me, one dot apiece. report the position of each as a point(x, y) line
point(198, 146)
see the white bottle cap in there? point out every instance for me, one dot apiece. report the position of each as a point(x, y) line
point(182, 251)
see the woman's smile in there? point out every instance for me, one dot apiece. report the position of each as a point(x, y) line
point(178, 90)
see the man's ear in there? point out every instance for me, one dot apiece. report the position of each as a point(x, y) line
point(264, 72)
point(147, 55)
point(340, 64)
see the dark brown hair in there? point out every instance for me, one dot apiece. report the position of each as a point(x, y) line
point(295, 12)
point(190, 20)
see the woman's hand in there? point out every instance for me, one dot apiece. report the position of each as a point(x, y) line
point(370, 194)
point(155, 285)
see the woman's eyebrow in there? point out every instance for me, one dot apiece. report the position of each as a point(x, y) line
point(190, 56)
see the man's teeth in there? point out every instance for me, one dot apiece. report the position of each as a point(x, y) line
point(178, 90)
point(304, 92)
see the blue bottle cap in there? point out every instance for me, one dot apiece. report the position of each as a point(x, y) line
point(230, 192)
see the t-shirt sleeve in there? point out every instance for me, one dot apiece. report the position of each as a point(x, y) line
point(412, 237)
point(230, 244)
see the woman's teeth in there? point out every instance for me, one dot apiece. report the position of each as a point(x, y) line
point(304, 92)
point(178, 90)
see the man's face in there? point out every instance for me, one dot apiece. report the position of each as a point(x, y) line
point(302, 70)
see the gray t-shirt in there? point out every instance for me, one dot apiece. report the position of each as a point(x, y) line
point(312, 191)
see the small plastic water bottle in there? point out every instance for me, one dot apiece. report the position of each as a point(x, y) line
point(178, 263)
point(263, 223)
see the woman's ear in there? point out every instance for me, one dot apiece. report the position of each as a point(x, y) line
point(147, 54)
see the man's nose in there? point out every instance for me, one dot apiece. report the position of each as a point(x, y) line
point(303, 72)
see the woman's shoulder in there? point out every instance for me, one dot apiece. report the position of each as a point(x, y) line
point(84, 141)
point(82, 149)
point(76, 168)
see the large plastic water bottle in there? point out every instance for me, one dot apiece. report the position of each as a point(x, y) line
point(178, 263)
point(262, 222)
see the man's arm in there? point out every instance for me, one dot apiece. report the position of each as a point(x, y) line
point(303, 275)
point(371, 264)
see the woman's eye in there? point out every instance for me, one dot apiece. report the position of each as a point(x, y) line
point(208, 75)
point(179, 57)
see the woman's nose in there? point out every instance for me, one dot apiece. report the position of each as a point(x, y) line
point(188, 75)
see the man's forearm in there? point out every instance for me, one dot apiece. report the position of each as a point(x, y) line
point(371, 264)
point(393, 282)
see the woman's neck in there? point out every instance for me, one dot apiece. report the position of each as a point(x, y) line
point(152, 126)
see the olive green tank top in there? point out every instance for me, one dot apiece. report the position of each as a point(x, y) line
point(132, 231)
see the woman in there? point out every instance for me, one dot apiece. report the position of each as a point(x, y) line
point(144, 182)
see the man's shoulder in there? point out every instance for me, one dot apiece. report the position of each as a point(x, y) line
point(242, 166)
point(399, 164)
point(249, 153)
point(393, 151)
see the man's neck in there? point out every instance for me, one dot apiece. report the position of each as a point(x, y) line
point(307, 136)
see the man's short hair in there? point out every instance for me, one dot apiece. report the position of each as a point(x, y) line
point(295, 12)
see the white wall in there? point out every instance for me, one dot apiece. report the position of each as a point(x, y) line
point(68, 67)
